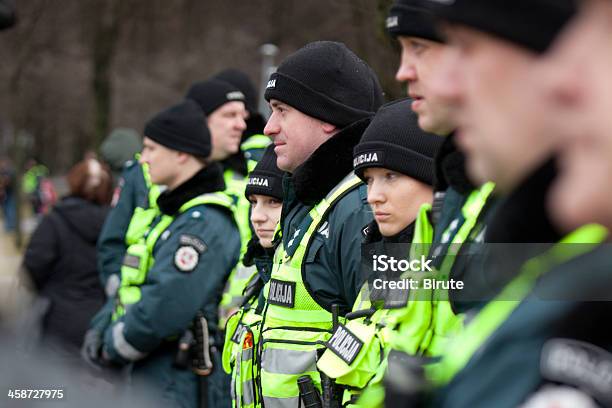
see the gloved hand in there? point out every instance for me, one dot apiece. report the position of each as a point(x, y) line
point(91, 351)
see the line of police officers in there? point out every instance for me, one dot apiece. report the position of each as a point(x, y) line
point(502, 141)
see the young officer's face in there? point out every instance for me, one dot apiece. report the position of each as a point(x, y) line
point(395, 198)
point(578, 87)
point(499, 128)
point(265, 214)
point(162, 162)
point(226, 125)
point(295, 135)
point(419, 57)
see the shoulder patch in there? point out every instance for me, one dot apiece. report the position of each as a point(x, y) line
point(345, 344)
point(578, 364)
point(193, 241)
point(186, 258)
point(282, 293)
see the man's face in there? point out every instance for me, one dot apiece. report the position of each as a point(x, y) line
point(162, 162)
point(419, 58)
point(489, 82)
point(295, 135)
point(226, 125)
point(578, 89)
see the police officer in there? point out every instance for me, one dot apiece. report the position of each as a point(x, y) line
point(395, 159)
point(527, 339)
point(459, 207)
point(322, 98)
point(265, 193)
point(223, 105)
point(253, 142)
point(134, 205)
point(119, 148)
point(179, 265)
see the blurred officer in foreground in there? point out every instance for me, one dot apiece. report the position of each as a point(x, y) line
point(322, 97)
point(494, 362)
point(175, 272)
point(265, 193)
point(459, 210)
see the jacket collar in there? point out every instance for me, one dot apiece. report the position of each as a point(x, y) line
point(523, 216)
point(372, 234)
point(207, 180)
point(328, 165)
point(450, 168)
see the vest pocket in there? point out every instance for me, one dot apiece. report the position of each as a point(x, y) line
point(354, 353)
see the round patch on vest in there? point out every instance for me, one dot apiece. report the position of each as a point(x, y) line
point(186, 258)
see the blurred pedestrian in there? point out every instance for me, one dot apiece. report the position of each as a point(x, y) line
point(60, 259)
point(8, 194)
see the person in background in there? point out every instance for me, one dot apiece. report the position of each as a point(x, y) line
point(253, 141)
point(32, 185)
point(119, 149)
point(60, 259)
point(133, 204)
point(8, 194)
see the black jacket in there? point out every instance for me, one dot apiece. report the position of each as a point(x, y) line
point(61, 261)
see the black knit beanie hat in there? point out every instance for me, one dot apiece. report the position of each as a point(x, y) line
point(395, 141)
point(266, 178)
point(327, 81)
point(213, 93)
point(533, 24)
point(410, 18)
point(241, 81)
point(181, 127)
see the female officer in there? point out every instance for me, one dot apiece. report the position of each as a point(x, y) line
point(395, 159)
point(265, 193)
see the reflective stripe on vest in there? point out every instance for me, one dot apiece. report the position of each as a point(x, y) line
point(255, 142)
point(237, 281)
point(494, 314)
point(139, 256)
point(445, 323)
point(145, 213)
point(241, 339)
point(294, 324)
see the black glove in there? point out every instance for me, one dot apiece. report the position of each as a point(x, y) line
point(91, 351)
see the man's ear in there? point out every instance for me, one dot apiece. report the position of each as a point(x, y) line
point(182, 157)
point(328, 127)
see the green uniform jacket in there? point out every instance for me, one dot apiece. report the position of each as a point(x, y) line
point(519, 348)
point(531, 350)
point(175, 288)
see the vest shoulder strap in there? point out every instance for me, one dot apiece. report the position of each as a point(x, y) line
point(217, 198)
